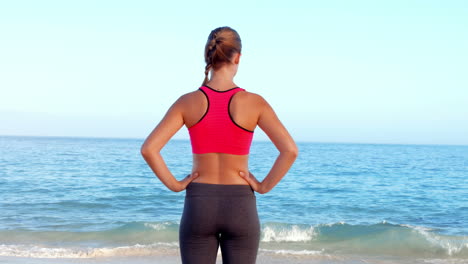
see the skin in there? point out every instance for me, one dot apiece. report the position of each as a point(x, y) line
point(249, 110)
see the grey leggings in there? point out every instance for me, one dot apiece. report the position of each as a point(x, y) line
point(219, 215)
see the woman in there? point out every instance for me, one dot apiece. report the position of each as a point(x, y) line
point(220, 206)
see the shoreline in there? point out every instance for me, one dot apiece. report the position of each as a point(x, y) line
point(262, 258)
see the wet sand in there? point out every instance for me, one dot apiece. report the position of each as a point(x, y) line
point(263, 258)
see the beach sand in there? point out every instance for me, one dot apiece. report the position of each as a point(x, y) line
point(175, 259)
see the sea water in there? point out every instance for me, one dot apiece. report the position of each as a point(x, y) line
point(88, 197)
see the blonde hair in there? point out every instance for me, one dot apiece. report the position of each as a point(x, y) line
point(221, 45)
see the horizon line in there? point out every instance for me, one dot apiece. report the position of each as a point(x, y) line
point(255, 140)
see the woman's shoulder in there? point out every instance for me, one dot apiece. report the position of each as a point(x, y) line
point(250, 97)
point(190, 97)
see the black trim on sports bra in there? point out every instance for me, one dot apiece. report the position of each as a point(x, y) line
point(232, 119)
point(221, 91)
point(207, 108)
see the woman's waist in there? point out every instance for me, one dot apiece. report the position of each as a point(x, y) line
point(197, 189)
point(226, 177)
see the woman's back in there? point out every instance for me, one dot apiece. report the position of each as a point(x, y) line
point(243, 109)
point(220, 207)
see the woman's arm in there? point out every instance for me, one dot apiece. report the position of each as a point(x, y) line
point(272, 126)
point(151, 148)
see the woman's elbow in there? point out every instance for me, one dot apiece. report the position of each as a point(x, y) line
point(149, 149)
point(144, 150)
point(294, 152)
point(291, 151)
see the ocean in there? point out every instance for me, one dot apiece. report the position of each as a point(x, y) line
point(68, 198)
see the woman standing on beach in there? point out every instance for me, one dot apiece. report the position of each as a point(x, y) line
point(220, 205)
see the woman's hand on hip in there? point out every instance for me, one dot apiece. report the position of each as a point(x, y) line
point(253, 182)
point(182, 184)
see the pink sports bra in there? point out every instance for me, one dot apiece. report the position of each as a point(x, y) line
point(216, 131)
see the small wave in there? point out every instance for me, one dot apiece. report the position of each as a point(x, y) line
point(293, 252)
point(392, 239)
point(382, 238)
point(36, 251)
point(128, 233)
point(159, 225)
point(276, 232)
point(439, 241)
point(376, 239)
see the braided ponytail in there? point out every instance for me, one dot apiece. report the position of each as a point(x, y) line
point(221, 45)
point(210, 49)
point(207, 70)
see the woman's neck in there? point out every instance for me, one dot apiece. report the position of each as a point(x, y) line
point(222, 79)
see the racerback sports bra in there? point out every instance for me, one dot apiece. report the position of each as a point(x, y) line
point(216, 131)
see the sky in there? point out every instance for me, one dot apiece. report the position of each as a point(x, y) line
point(391, 72)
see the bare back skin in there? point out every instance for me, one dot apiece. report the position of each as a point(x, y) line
point(222, 168)
point(248, 110)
